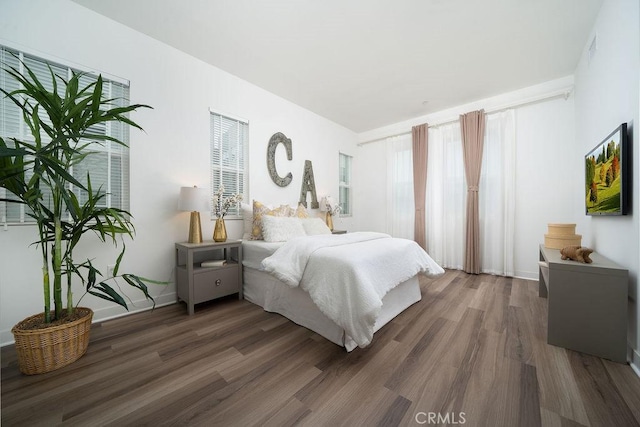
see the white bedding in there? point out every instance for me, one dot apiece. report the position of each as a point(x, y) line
point(254, 251)
point(348, 275)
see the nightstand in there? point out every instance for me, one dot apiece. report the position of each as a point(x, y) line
point(195, 283)
point(338, 231)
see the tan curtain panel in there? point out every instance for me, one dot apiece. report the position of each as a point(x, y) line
point(420, 139)
point(472, 127)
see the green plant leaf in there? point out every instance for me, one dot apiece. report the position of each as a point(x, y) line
point(155, 282)
point(10, 152)
point(137, 283)
point(58, 172)
point(104, 291)
point(91, 277)
point(118, 260)
point(97, 95)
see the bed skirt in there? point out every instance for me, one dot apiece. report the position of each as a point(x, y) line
point(295, 304)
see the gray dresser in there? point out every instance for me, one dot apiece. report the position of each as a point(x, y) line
point(587, 304)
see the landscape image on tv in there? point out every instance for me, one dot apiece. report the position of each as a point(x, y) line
point(604, 181)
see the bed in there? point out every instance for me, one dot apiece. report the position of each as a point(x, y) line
point(343, 287)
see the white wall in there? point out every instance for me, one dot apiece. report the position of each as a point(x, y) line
point(607, 89)
point(173, 151)
point(370, 172)
point(544, 189)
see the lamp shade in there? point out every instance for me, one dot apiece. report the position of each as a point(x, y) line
point(323, 204)
point(193, 199)
point(327, 204)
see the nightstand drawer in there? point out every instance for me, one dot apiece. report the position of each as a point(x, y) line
point(215, 283)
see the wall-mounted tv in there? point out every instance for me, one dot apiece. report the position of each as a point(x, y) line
point(607, 175)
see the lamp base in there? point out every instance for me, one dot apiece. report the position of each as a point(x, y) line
point(329, 220)
point(195, 231)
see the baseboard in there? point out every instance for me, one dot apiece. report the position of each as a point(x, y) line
point(526, 275)
point(114, 312)
point(635, 361)
point(107, 313)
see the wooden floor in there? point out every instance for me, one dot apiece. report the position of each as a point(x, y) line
point(473, 352)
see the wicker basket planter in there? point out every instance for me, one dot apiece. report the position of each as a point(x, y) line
point(45, 350)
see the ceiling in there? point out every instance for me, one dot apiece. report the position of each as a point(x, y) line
point(369, 63)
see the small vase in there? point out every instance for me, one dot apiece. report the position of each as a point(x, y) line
point(329, 221)
point(220, 231)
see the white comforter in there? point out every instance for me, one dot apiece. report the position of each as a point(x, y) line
point(348, 275)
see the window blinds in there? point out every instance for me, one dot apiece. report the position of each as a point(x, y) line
point(229, 145)
point(108, 162)
point(345, 185)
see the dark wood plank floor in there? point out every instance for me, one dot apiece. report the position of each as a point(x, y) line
point(472, 352)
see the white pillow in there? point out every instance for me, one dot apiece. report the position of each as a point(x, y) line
point(314, 226)
point(247, 220)
point(281, 229)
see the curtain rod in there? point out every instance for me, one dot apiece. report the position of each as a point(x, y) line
point(564, 93)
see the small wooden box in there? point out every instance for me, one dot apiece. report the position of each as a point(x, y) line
point(561, 235)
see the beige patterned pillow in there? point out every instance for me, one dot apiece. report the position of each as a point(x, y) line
point(247, 220)
point(300, 212)
point(259, 210)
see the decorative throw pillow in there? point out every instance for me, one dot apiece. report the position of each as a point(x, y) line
point(259, 211)
point(300, 212)
point(247, 220)
point(314, 226)
point(281, 229)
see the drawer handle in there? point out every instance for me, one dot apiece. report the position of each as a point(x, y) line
point(218, 282)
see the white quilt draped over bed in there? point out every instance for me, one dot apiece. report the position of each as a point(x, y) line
point(348, 275)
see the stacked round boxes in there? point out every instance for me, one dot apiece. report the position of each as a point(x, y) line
point(561, 235)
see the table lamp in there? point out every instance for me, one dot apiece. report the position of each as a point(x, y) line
point(193, 199)
point(327, 205)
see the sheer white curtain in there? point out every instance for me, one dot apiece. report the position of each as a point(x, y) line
point(497, 195)
point(446, 196)
point(400, 204)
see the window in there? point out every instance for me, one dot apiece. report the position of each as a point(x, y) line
point(447, 194)
point(108, 163)
point(400, 202)
point(345, 185)
point(229, 146)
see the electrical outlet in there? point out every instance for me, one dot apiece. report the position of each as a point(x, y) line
point(110, 269)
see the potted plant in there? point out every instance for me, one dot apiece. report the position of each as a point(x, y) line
point(37, 173)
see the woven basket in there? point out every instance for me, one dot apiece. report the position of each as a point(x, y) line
point(45, 350)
